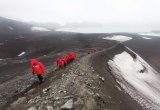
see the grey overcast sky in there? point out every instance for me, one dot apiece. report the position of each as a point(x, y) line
point(129, 12)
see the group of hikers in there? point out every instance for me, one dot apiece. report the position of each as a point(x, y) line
point(63, 61)
point(38, 68)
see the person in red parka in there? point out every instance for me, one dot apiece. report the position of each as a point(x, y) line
point(72, 56)
point(67, 58)
point(59, 62)
point(64, 59)
point(37, 68)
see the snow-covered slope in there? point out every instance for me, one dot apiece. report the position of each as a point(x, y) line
point(118, 38)
point(39, 29)
point(137, 78)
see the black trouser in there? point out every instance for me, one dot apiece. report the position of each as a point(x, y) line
point(60, 66)
point(65, 64)
point(71, 60)
point(40, 77)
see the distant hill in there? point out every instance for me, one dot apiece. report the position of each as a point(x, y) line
point(8, 26)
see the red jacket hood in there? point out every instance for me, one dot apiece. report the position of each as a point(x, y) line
point(34, 61)
point(39, 69)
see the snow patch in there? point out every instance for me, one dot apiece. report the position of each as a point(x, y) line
point(21, 54)
point(146, 38)
point(149, 34)
point(118, 38)
point(11, 28)
point(39, 29)
point(136, 75)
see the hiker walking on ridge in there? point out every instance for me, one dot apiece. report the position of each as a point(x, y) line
point(64, 59)
point(60, 62)
point(37, 68)
point(72, 56)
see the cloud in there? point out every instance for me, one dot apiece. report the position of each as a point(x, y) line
point(130, 12)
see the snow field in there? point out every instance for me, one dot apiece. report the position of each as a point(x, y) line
point(136, 75)
point(118, 38)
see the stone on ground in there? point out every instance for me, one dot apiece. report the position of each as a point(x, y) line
point(68, 105)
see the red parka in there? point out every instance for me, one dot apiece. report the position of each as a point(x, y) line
point(64, 59)
point(37, 67)
point(72, 55)
point(59, 62)
point(67, 57)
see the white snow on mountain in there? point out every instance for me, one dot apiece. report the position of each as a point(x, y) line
point(36, 29)
point(118, 38)
point(138, 79)
point(146, 38)
point(11, 28)
point(21, 54)
point(149, 34)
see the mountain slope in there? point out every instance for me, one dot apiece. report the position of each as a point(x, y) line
point(82, 84)
point(146, 46)
point(133, 75)
point(90, 82)
point(8, 26)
